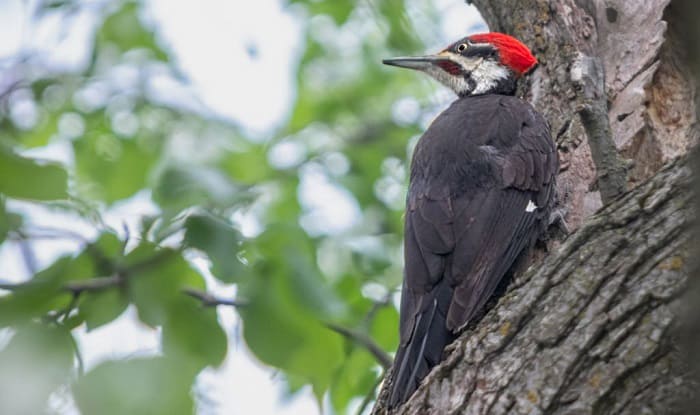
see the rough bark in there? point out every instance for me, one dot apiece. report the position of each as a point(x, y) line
point(590, 330)
point(684, 16)
point(593, 327)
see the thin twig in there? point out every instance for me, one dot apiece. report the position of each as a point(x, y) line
point(103, 283)
point(28, 256)
point(40, 232)
point(378, 305)
point(127, 236)
point(73, 303)
point(365, 341)
point(210, 300)
point(94, 284)
point(159, 257)
point(78, 355)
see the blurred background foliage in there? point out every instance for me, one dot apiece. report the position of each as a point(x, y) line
point(308, 288)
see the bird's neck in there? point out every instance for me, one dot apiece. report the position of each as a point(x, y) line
point(489, 78)
point(499, 86)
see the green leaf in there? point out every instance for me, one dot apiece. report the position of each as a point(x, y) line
point(401, 35)
point(144, 386)
point(8, 221)
point(249, 167)
point(193, 334)
point(157, 277)
point(282, 334)
point(385, 328)
point(220, 242)
point(339, 10)
point(40, 134)
point(125, 30)
point(45, 292)
point(180, 187)
point(106, 246)
point(355, 377)
point(35, 363)
point(25, 178)
point(349, 289)
point(100, 308)
point(286, 208)
point(156, 282)
point(110, 168)
point(288, 299)
point(289, 254)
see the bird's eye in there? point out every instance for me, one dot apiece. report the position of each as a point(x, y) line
point(462, 47)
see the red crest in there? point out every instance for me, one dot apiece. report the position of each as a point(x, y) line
point(513, 53)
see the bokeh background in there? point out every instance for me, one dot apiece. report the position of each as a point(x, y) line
point(255, 151)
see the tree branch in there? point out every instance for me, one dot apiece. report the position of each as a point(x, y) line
point(95, 284)
point(365, 341)
point(210, 300)
point(119, 277)
point(98, 284)
point(588, 75)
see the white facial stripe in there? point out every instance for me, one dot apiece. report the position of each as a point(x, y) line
point(487, 76)
point(485, 73)
point(531, 206)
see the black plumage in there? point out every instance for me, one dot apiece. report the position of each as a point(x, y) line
point(480, 194)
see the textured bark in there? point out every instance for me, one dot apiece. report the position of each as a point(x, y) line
point(588, 75)
point(593, 327)
point(684, 16)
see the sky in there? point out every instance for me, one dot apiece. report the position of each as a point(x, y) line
point(256, 94)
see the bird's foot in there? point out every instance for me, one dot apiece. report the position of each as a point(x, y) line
point(558, 218)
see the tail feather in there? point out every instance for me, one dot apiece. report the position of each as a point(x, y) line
point(423, 350)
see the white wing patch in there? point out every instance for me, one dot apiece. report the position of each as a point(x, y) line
point(531, 206)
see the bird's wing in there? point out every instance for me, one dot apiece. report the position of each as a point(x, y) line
point(470, 240)
point(459, 243)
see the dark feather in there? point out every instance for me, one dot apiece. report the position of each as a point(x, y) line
point(474, 175)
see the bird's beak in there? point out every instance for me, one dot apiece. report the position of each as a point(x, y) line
point(419, 63)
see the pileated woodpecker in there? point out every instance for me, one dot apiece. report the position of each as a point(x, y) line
point(480, 195)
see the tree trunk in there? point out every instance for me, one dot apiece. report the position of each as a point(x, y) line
point(592, 328)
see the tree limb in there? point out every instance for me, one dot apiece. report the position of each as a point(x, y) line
point(588, 74)
point(210, 300)
point(95, 284)
point(365, 341)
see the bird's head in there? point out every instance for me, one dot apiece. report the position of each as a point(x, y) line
point(486, 63)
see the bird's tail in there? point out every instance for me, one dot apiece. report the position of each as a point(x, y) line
point(423, 349)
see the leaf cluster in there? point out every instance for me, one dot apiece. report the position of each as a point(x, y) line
point(295, 277)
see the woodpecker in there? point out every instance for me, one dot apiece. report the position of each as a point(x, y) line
point(480, 194)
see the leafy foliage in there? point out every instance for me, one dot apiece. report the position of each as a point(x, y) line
point(291, 277)
point(137, 386)
point(24, 178)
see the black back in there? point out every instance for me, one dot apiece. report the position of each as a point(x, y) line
point(480, 195)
